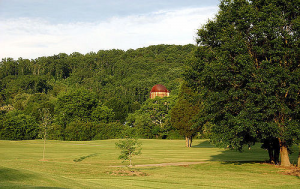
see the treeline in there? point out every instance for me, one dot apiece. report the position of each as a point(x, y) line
point(90, 96)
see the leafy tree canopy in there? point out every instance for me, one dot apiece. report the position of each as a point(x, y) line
point(247, 72)
point(153, 118)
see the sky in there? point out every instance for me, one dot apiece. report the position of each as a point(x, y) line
point(35, 28)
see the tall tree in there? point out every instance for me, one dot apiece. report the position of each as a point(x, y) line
point(184, 112)
point(247, 67)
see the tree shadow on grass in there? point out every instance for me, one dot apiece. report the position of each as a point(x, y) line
point(84, 157)
point(9, 178)
point(252, 155)
point(7, 174)
point(248, 156)
point(204, 144)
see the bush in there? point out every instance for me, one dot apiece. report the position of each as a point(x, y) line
point(83, 131)
point(79, 131)
point(109, 130)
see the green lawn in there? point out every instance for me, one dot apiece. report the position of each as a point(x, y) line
point(92, 165)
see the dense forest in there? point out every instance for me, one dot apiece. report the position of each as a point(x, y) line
point(93, 96)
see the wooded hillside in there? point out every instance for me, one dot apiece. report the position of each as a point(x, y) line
point(89, 96)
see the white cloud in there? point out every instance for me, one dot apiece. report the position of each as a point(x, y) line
point(29, 38)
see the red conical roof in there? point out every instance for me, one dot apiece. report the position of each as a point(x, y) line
point(159, 88)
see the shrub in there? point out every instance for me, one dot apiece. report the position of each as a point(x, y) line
point(109, 130)
point(79, 131)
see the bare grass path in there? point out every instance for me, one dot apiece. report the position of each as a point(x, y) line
point(164, 164)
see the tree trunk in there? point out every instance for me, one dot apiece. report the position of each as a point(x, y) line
point(130, 160)
point(284, 154)
point(44, 145)
point(188, 141)
point(271, 154)
point(272, 145)
point(276, 153)
point(299, 158)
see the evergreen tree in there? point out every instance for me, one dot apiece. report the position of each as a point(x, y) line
point(184, 112)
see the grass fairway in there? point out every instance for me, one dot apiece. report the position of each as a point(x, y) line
point(93, 164)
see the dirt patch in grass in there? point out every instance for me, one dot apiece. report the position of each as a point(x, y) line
point(293, 171)
point(127, 173)
point(170, 164)
point(184, 164)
